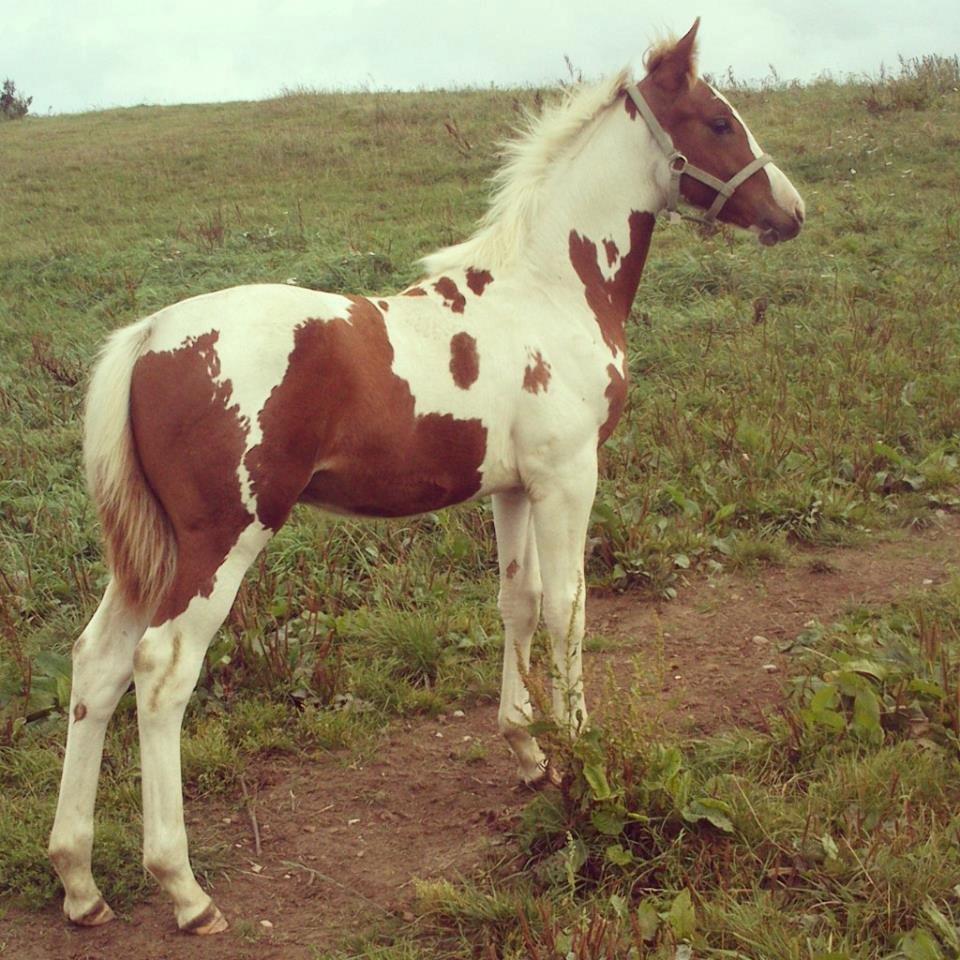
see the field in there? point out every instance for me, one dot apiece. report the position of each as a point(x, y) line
point(773, 770)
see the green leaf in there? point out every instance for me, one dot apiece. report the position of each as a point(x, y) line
point(727, 510)
point(830, 719)
point(619, 905)
point(280, 608)
point(682, 561)
point(596, 776)
point(723, 545)
point(648, 920)
point(868, 668)
point(543, 816)
point(830, 847)
point(826, 698)
point(618, 856)
point(891, 455)
point(848, 682)
point(604, 513)
point(681, 917)
point(53, 664)
point(541, 727)
point(713, 811)
point(944, 928)
point(926, 688)
point(63, 692)
point(669, 762)
point(866, 716)
point(609, 820)
point(920, 945)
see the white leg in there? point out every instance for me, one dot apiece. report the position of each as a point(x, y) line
point(520, 608)
point(167, 662)
point(102, 667)
point(561, 515)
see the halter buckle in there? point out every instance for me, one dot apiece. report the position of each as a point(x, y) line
point(677, 162)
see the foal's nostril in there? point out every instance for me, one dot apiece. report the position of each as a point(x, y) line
point(799, 214)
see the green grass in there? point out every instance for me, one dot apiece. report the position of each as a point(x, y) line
point(803, 394)
point(832, 836)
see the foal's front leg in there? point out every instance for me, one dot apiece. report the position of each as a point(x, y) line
point(561, 514)
point(519, 603)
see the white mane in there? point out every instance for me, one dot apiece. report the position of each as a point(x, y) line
point(514, 204)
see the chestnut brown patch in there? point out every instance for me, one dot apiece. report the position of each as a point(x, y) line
point(477, 280)
point(415, 292)
point(383, 305)
point(340, 431)
point(612, 252)
point(79, 712)
point(452, 297)
point(536, 377)
point(512, 569)
point(616, 394)
point(190, 440)
point(632, 109)
point(610, 300)
point(464, 362)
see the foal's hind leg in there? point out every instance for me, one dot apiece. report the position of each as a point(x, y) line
point(102, 667)
point(519, 602)
point(167, 662)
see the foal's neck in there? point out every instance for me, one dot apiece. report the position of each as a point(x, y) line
point(596, 215)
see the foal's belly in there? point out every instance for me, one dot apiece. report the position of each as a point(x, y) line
point(435, 464)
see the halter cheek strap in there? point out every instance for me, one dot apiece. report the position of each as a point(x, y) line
point(679, 165)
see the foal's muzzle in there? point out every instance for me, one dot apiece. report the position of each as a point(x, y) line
point(776, 230)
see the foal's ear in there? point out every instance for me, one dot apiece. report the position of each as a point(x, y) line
point(674, 68)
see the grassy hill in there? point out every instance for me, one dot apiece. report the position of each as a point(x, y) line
point(808, 393)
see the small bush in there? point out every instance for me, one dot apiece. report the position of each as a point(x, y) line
point(13, 106)
point(920, 81)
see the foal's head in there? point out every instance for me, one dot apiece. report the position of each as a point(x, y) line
point(712, 136)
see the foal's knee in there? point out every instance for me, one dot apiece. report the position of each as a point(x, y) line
point(164, 669)
point(101, 674)
point(520, 609)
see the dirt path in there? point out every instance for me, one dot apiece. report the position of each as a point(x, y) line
point(342, 845)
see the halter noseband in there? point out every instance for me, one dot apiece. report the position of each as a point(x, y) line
point(679, 165)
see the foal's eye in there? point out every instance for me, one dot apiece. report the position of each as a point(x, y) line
point(720, 125)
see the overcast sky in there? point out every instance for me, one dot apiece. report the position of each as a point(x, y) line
point(72, 55)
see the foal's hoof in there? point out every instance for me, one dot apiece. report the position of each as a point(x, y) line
point(548, 776)
point(210, 921)
point(99, 914)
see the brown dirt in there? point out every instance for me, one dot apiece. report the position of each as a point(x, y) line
point(342, 845)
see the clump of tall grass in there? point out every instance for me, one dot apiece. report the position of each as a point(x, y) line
point(919, 81)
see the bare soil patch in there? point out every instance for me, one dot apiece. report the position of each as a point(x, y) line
point(342, 844)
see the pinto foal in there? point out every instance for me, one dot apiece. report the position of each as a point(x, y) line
point(497, 375)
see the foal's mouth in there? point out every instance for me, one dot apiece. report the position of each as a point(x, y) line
point(769, 233)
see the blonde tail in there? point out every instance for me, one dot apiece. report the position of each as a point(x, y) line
point(141, 550)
